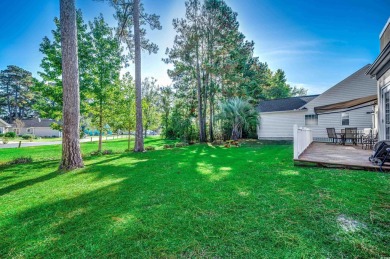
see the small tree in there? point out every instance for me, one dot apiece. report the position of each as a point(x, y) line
point(240, 114)
point(19, 124)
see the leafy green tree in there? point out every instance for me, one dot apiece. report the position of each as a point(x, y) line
point(150, 104)
point(123, 110)
point(131, 17)
point(50, 89)
point(105, 58)
point(17, 99)
point(240, 114)
point(166, 102)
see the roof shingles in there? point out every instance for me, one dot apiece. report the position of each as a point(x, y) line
point(284, 104)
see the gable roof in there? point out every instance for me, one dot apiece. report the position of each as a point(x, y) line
point(284, 104)
point(37, 122)
point(4, 124)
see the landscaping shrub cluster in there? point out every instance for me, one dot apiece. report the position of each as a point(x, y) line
point(21, 160)
point(10, 135)
point(167, 146)
point(28, 136)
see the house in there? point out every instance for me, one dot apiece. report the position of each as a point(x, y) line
point(380, 70)
point(4, 126)
point(349, 103)
point(38, 127)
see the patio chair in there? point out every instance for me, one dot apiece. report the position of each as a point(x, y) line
point(369, 138)
point(351, 133)
point(336, 138)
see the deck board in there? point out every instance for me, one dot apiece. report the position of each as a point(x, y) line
point(337, 156)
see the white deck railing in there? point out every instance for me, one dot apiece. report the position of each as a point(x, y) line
point(303, 137)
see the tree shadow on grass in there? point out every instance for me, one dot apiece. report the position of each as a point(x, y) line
point(167, 208)
point(29, 182)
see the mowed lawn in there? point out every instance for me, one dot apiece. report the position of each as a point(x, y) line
point(195, 201)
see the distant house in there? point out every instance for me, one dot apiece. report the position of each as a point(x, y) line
point(4, 126)
point(349, 103)
point(380, 70)
point(38, 127)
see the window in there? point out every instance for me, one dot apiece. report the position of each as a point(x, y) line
point(311, 119)
point(345, 118)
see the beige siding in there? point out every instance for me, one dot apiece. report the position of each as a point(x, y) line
point(357, 119)
point(40, 132)
point(279, 125)
point(357, 85)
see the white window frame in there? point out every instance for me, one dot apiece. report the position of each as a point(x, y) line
point(346, 114)
point(311, 117)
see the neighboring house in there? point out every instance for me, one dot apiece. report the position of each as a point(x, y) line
point(380, 70)
point(349, 103)
point(38, 127)
point(4, 126)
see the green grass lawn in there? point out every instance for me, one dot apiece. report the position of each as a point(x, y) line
point(196, 201)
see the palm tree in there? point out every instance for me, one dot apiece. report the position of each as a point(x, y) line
point(239, 113)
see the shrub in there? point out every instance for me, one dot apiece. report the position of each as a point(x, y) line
point(28, 136)
point(5, 140)
point(1, 135)
point(104, 152)
point(107, 152)
point(10, 134)
point(150, 148)
point(21, 160)
point(181, 144)
point(167, 146)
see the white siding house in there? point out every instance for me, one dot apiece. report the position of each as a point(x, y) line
point(4, 126)
point(277, 123)
point(38, 127)
point(380, 70)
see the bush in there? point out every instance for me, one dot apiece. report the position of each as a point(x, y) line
point(1, 135)
point(150, 148)
point(5, 140)
point(10, 135)
point(21, 160)
point(181, 144)
point(104, 152)
point(167, 146)
point(28, 136)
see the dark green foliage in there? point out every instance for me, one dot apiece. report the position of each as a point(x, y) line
point(10, 134)
point(28, 136)
point(16, 95)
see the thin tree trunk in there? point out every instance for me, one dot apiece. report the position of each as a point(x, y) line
point(71, 155)
point(202, 134)
point(139, 140)
point(100, 126)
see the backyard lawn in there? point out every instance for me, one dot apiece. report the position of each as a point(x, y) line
point(195, 201)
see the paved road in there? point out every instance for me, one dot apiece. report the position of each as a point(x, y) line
point(46, 143)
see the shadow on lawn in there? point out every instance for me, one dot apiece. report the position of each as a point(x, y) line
point(169, 207)
point(29, 182)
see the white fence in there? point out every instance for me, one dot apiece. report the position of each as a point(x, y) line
point(302, 139)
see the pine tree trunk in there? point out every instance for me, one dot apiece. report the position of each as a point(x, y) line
point(199, 96)
point(139, 140)
point(71, 155)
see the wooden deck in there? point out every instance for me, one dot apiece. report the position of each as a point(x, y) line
point(337, 156)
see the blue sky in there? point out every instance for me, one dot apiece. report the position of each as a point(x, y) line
point(317, 43)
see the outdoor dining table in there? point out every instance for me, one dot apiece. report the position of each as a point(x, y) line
point(355, 139)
